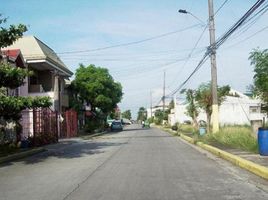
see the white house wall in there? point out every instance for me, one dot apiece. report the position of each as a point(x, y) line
point(237, 111)
point(233, 110)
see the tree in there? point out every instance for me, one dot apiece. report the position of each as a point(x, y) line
point(158, 116)
point(203, 98)
point(12, 77)
point(170, 106)
point(142, 114)
point(95, 87)
point(192, 108)
point(260, 79)
point(126, 114)
point(11, 34)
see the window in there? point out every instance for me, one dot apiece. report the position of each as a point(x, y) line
point(254, 109)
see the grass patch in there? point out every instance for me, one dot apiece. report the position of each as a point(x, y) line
point(187, 129)
point(238, 137)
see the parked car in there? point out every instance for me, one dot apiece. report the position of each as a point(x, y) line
point(116, 126)
point(126, 121)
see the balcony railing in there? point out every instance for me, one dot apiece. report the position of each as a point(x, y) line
point(42, 94)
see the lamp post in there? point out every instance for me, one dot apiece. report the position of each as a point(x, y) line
point(187, 12)
point(215, 107)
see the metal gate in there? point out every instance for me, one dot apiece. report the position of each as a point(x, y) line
point(69, 124)
point(45, 126)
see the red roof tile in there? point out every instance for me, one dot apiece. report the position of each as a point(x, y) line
point(12, 53)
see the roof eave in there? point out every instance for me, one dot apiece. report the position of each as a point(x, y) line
point(59, 68)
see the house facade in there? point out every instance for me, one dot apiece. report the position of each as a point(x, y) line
point(237, 109)
point(49, 72)
point(49, 77)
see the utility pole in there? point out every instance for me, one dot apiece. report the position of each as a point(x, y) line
point(151, 101)
point(164, 90)
point(215, 107)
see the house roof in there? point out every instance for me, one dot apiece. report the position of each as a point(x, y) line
point(34, 49)
point(15, 56)
point(13, 53)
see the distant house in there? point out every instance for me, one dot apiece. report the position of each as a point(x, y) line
point(151, 111)
point(237, 109)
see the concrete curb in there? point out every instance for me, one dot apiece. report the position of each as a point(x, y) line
point(20, 155)
point(88, 137)
point(254, 168)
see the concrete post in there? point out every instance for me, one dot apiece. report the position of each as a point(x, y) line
point(56, 93)
point(215, 107)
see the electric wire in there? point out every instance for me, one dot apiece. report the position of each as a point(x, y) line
point(124, 44)
point(197, 42)
point(247, 38)
point(221, 40)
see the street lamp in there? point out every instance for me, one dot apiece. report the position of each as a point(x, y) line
point(187, 12)
point(215, 106)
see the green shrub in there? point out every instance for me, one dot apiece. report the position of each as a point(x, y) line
point(187, 128)
point(157, 121)
point(174, 128)
point(151, 120)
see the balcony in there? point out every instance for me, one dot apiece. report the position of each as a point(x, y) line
point(36, 88)
point(42, 94)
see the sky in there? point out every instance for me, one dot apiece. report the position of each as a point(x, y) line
point(68, 25)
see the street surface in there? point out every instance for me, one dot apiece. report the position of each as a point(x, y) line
point(135, 164)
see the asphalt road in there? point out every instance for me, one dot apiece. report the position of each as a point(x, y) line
point(136, 164)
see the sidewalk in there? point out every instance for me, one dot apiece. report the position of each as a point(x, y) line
point(256, 158)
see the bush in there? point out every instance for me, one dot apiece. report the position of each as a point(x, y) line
point(239, 137)
point(94, 124)
point(151, 120)
point(41, 139)
point(174, 128)
point(187, 128)
point(157, 121)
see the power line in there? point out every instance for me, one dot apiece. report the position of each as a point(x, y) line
point(190, 55)
point(131, 43)
point(164, 52)
point(197, 42)
point(222, 39)
point(201, 62)
point(252, 22)
point(221, 6)
point(143, 72)
point(249, 37)
point(240, 22)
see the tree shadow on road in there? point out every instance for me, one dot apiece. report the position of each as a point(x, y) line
point(68, 150)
